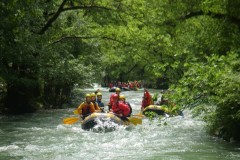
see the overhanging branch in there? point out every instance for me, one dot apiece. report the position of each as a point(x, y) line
point(53, 18)
point(233, 19)
point(62, 9)
point(88, 37)
point(85, 7)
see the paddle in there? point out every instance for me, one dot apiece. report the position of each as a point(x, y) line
point(75, 111)
point(138, 115)
point(71, 120)
point(135, 120)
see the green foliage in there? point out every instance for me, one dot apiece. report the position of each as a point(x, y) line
point(151, 115)
point(155, 96)
point(215, 83)
point(47, 47)
point(37, 68)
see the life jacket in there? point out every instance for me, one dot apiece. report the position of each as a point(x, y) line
point(145, 103)
point(86, 109)
point(115, 108)
point(129, 108)
point(110, 103)
point(95, 104)
point(148, 100)
point(121, 108)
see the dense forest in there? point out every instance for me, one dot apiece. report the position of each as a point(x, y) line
point(47, 47)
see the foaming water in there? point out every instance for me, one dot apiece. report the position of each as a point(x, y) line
point(104, 125)
point(43, 136)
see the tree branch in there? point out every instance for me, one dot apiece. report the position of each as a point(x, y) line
point(85, 7)
point(62, 9)
point(233, 19)
point(88, 37)
point(53, 18)
point(189, 15)
point(131, 69)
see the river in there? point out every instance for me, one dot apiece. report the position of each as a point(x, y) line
point(42, 135)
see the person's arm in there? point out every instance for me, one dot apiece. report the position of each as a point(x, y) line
point(129, 105)
point(109, 107)
point(97, 108)
point(92, 109)
point(80, 108)
point(130, 108)
point(101, 106)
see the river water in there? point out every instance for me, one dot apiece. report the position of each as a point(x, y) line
point(42, 135)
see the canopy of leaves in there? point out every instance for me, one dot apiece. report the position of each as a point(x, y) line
point(193, 45)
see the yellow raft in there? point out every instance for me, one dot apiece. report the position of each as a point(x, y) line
point(107, 121)
point(160, 110)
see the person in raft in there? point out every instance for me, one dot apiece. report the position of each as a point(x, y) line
point(119, 108)
point(95, 104)
point(86, 108)
point(99, 101)
point(147, 99)
point(98, 90)
point(118, 91)
point(123, 99)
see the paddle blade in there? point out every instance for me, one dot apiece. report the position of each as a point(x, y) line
point(70, 120)
point(135, 120)
point(75, 111)
point(138, 115)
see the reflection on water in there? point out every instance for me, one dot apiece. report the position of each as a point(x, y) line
point(43, 136)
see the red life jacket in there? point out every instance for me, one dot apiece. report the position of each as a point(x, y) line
point(121, 108)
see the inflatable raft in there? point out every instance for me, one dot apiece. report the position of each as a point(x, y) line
point(101, 121)
point(159, 110)
point(107, 122)
point(133, 89)
point(162, 110)
point(113, 89)
point(125, 89)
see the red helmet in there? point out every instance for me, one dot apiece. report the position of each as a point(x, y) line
point(115, 96)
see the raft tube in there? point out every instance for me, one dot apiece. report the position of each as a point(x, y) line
point(113, 89)
point(154, 108)
point(93, 120)
point(134, 89)
point(125, 89)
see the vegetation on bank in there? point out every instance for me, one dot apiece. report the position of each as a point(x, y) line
point(47, 47)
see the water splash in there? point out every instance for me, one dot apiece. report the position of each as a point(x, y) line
point(105, 125)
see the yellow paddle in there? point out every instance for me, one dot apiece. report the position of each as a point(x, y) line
point(135, 120)
point(138, 115)
point(71, 120)
point(75, 111)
